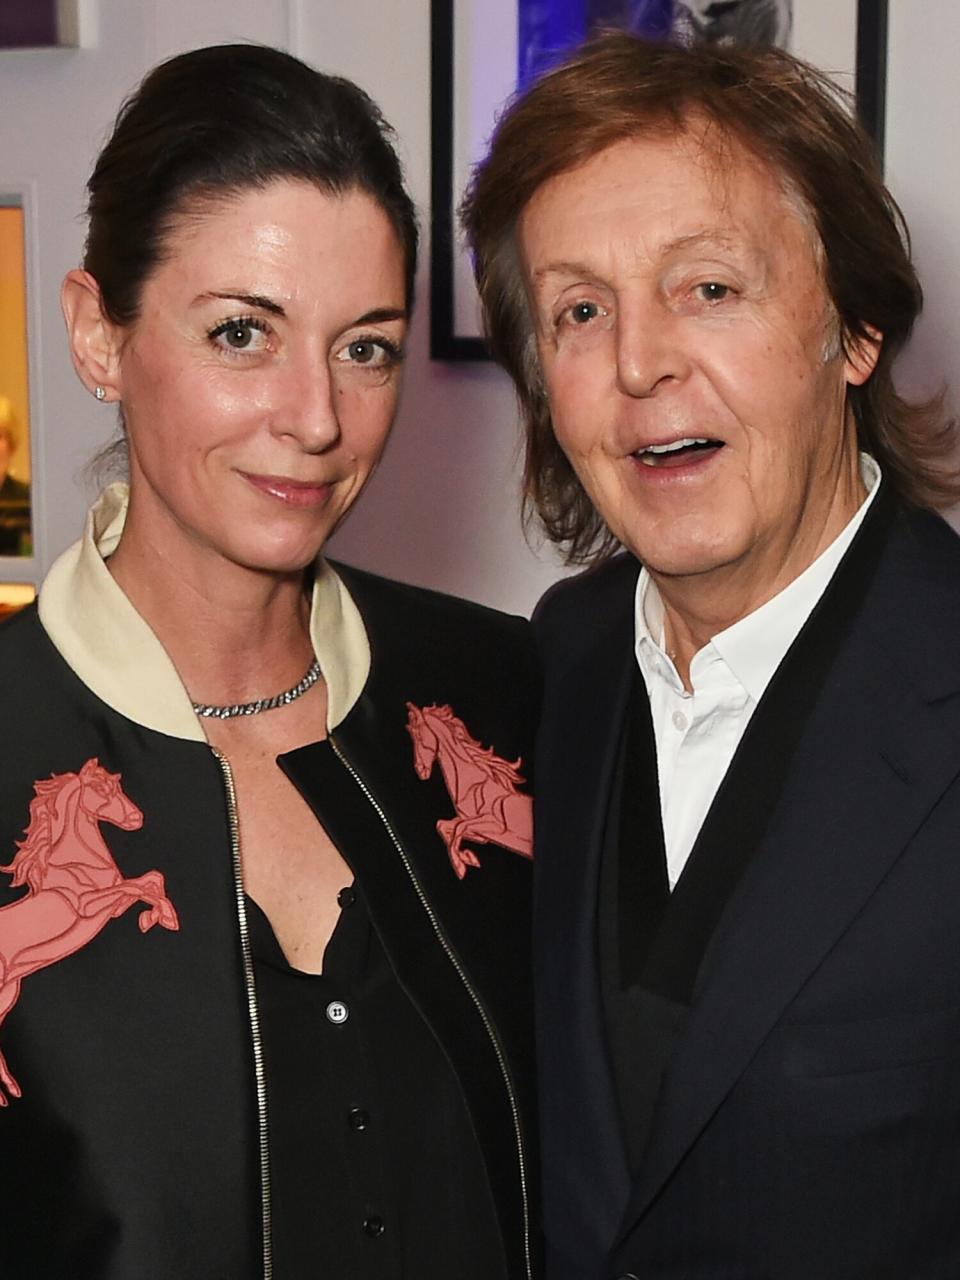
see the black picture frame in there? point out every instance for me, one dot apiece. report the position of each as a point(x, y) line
point(38, 24)
point(445, 342)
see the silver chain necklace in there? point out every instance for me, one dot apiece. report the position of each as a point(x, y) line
point(261, 704)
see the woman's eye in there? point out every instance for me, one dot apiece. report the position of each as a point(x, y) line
point(374, 353)
point(245, 334)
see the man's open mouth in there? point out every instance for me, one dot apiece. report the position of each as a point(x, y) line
point(678, 452)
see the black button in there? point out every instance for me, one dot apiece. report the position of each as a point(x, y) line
point(373, 1226)
point(347, 897)
point(357, 1118)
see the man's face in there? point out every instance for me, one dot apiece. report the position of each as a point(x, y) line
point(691, 358)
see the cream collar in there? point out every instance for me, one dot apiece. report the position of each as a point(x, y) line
point(112, 649)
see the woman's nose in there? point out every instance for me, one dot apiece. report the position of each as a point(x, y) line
point(308, 407)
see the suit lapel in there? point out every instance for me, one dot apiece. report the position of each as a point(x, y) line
point(746, 798)
point(873, 760)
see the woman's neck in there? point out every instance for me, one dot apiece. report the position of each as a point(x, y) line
point(231, 632)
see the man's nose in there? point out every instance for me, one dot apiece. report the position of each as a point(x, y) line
point(649, 353)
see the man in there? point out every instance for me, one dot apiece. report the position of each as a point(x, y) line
point(748, 822)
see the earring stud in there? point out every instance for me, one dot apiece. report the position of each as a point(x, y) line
point(100, 392)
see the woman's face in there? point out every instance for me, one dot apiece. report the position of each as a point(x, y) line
point(260, 379)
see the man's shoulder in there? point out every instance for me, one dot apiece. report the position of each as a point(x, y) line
point(920, 530)
point(921, 559)
point(917, 594)
point(580, 601)
point(587, 616)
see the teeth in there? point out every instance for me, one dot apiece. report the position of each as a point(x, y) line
point(672, 448)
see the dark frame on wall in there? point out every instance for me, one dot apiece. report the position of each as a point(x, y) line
point(38, 24)
point(446, 343)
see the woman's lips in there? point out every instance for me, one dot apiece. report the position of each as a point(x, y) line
point(295, 493)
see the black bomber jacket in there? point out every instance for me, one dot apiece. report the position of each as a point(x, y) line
point(134, 1131)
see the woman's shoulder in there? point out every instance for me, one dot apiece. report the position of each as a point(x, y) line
point(19, 631)
point(440, 648)
point(420, 608)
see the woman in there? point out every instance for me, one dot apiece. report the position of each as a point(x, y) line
point(264, 1013)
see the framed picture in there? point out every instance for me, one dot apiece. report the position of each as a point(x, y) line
point(481, 50)
point(14, 596)
point(16, 527)
point(38, 24)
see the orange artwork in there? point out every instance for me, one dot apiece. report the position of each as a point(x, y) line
point(15, 525)
point(14, 595)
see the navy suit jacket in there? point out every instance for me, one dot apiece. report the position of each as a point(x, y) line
point(808, 1123)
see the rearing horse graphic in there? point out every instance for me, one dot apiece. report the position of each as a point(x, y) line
point(483, 787)
point(74, 885)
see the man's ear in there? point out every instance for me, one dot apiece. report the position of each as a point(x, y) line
point(861, 355)
point(95, 341)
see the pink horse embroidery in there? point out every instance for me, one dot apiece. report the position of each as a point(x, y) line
point(74, 885)
point(483, 787)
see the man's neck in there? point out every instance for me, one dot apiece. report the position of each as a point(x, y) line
point(697, 607)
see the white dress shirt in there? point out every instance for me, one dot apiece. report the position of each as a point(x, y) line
point(697, 733)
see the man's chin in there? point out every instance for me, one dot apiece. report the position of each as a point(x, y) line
point(683, 560)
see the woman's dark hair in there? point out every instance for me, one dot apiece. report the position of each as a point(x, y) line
point(218, 121)
point(791, 117)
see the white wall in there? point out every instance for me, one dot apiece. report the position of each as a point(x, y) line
point(923, 148)
point(443, 508)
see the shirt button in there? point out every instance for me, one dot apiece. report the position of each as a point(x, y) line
point(358, 1119)
point(373, 1226)
point(347, 897)
point(679, 721)
point(337, 1012)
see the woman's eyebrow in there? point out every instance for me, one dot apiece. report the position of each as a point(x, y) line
point(382, 314)
point(256, 300)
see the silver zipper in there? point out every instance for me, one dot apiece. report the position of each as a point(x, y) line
point(266, 1215)
point(478, 1003)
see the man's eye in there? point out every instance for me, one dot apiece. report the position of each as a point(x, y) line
point(245, 334)
point(713, 291)
point(583, 312)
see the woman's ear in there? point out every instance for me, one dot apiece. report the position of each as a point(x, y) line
point(95, 341)
point(862, 355)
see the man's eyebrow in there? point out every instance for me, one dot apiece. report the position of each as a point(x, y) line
point(714, 238)
point(565, 269)
point(255, 301)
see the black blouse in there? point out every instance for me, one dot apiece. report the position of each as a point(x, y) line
point(375, 1169)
